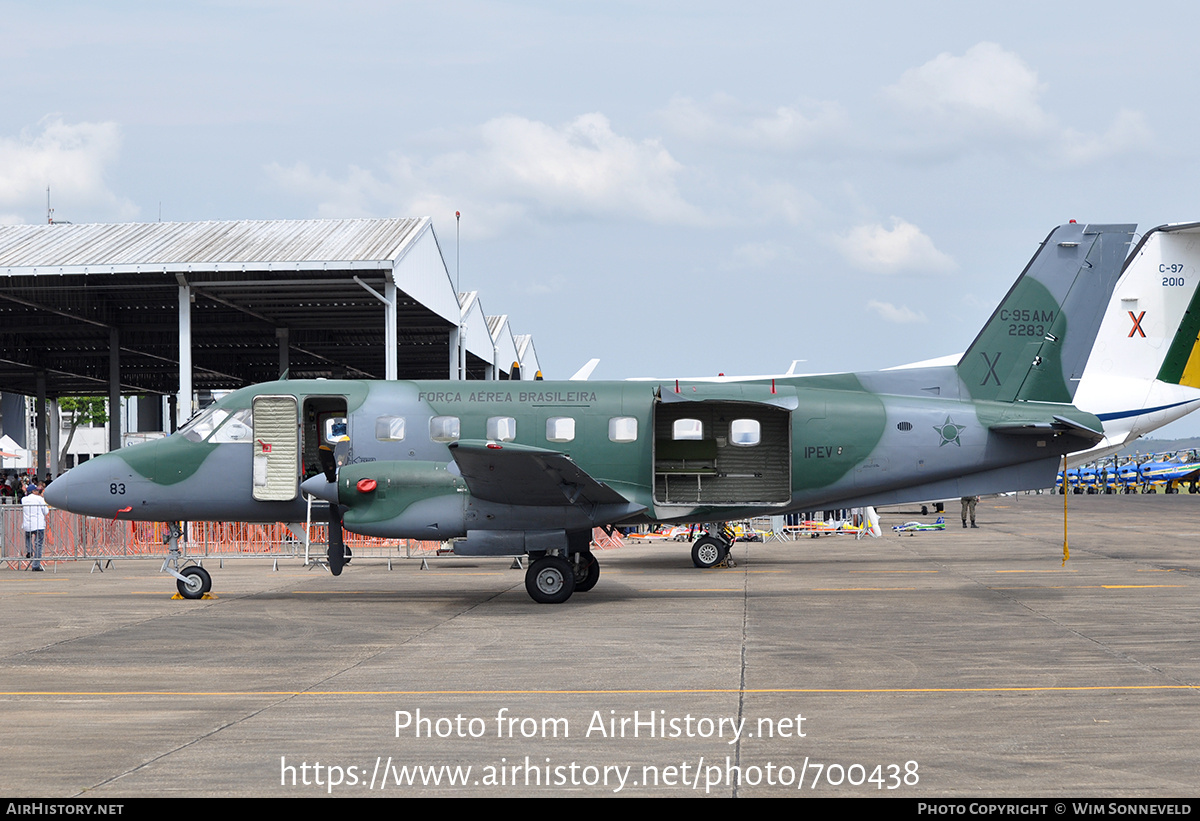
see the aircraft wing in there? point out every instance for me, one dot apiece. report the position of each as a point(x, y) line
point(511, 474)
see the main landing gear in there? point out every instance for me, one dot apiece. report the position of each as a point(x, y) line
point(710, 550)
point(551, 579)
point(192, 581)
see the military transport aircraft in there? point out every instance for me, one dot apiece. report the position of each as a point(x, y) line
point(511, 468)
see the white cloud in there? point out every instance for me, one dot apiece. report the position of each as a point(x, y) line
point(516, 169)
point(350, 197)
point(722, 119)
point(904, 247)
point(989, 97)
point(899, 314)
point(1128, 132)
point(70, 158)
point(986, 89)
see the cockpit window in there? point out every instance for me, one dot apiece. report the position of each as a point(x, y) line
point(238, 427)
point(230, 426)
point(199, 428)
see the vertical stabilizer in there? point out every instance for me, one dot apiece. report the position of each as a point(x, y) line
point(1176, 274)
point(1144, 370)
point(1037, 342)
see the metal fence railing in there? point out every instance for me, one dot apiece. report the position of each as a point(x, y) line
point(71, 537)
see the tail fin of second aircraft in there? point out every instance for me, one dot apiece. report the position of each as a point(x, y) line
point(1177, 272)
point(1145, 367)
point(1037, 342)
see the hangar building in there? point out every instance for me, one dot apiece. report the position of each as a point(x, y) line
point(180, 309)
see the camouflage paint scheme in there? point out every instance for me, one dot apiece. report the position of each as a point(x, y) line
point(1000, 420)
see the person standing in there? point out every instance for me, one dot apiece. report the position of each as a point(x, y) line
point(968, 507)
point(33, 509)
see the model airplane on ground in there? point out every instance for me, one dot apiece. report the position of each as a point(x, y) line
point(917, 527)
point(512, 468)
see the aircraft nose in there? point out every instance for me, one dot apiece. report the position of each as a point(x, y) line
point(56, 491)
point(90, 488)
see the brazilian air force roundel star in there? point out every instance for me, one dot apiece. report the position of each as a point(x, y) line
point(949, 432)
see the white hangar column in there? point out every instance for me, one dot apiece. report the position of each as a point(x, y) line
point(183, 404)
point(390, 340)
point(390, 335)
point(114, 389)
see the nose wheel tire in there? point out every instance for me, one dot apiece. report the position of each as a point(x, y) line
point(197, 583)
point(550, 580)
point(708, 552)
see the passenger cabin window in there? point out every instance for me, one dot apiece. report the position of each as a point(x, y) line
point(389, 428)
point(444, 428)
point(622, 429)
point(237, 428)
point(745, 432)
point(687, 429)
point(560, 429)
point(336, 429)
point(501, 428)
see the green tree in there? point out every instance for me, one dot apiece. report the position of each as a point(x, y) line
point(83, 410)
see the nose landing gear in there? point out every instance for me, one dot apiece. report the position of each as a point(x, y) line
point(192, 581)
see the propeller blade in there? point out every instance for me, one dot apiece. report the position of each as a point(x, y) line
point(337, 548)
point(328, 463)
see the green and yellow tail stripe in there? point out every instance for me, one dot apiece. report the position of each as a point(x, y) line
point(1182, 363)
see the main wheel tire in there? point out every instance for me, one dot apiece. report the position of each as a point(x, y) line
point(587, 573)
point(550, 580)
point(708, 552)
point(198, 582)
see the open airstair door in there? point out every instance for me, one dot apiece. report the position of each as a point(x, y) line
point(723, 445)
point(276, 448)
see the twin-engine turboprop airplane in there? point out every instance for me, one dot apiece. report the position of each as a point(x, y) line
point(510, 468)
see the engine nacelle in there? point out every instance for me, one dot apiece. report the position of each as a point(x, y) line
point(404, 500)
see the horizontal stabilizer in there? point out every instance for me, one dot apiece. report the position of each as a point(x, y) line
point(1059, 424)
point(512, 474)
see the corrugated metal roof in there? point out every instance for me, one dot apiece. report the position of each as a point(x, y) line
point(246, 243)
point(526, 355)
point(466, 301)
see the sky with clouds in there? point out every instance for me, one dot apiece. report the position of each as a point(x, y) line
point(678, 188)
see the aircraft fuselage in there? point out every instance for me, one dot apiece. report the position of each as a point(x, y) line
point(666, 453)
